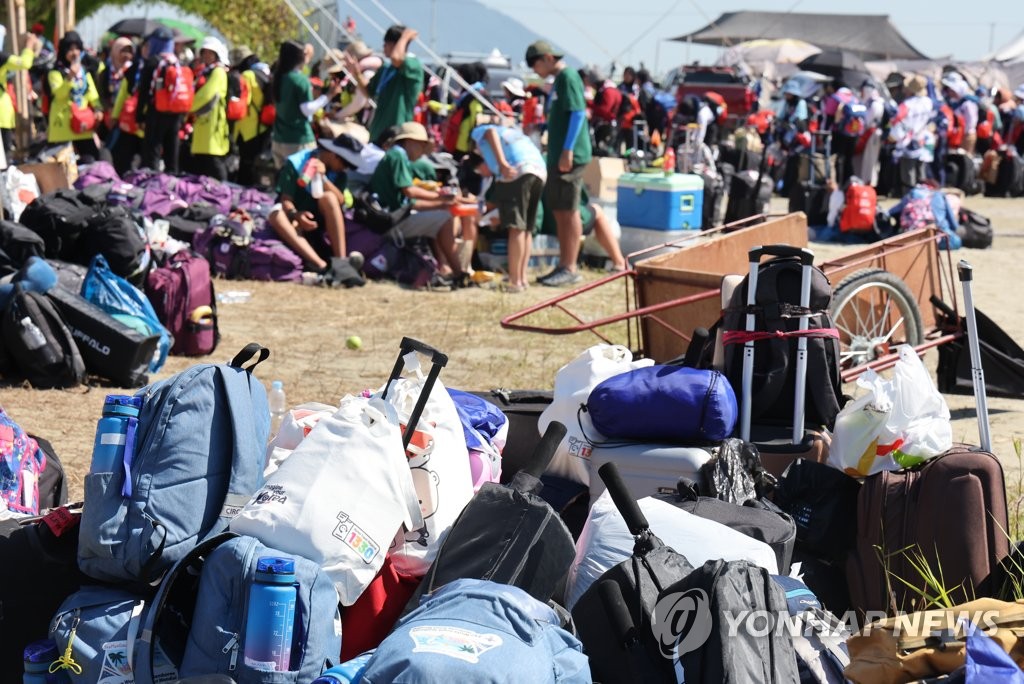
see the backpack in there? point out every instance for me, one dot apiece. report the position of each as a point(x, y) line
point(182, 294)
point(818, 636)
point(225, 244)
point(36, 344)
point(917, 213)
point(700, 602)
point(198, 457)
point(778, 291)
point(59, 218)
point(113, 232)
point(853, 119)
point(268, 110)
point(273, 260)
point(209, 589)
point(479, 631)
point(859, 211)
point(411, 264)
point(629, 109)
point(22, 463)
point(453, 124)
point(174, 86)
point(239, 96)
point(718, 106)
point(17, 245)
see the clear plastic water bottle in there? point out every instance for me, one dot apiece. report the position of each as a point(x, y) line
point(278, 406)
point(271, 621)
point(115, 432)
point(316, 186)
point(349, 672)
point(38, 656)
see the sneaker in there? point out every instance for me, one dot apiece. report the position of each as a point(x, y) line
point(356, 260)
point(560, 277)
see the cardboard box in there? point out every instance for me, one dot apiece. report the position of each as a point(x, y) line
point(51, 176)
point(601, 177)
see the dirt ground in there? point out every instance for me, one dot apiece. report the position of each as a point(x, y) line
point(306, 330)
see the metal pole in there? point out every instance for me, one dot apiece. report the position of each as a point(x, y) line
point(977, 370)
point(433, 25)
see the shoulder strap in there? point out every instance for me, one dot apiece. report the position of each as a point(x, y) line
point(143, 652)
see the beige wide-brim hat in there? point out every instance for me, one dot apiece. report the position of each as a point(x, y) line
point(913, 86)
point(358, 49)
point(411, 130)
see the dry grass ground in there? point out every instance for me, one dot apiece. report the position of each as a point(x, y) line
point(306, 330)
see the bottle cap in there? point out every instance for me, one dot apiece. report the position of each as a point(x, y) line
point(275, 569)
point(44, 651)
point(277, 384)
point(122, 405)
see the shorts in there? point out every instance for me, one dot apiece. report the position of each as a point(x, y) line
point(422, 224)
point(517, 201)
point(562, 192)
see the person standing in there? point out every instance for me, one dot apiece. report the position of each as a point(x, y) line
point(251, 133)
point(210, 133)
point(160, 139)
point(395, 87)
point(74, 100)
point(909, 132)
point(568, 154)
point(294, 104)
point(14, 63)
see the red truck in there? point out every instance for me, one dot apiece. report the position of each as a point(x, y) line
point(733, 85)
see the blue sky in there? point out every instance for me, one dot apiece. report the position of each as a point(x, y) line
point(597, 31)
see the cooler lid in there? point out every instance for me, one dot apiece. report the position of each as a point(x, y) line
point(659, 181)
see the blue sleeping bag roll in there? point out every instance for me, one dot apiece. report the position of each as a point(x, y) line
point(668, 404)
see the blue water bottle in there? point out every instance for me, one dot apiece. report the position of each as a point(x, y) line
point(38, 656)
point(349, 672)
point(115, 433)
point(271, 620)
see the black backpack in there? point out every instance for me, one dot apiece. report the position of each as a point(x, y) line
point(778, 292)
point(37, 345)
point(17, 245)
point(114, 233)
point(59, 218)
point(743, 654)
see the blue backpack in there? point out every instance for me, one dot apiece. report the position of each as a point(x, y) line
point(197, 458)
point(478, 631)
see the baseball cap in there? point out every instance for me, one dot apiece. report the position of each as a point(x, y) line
point(346, 147)
point(539, 48)
point(411, 130)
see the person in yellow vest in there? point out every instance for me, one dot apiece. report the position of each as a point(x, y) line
point(11, 63)
point(251, 135)
point(74, 100)
point(210, 133)
point(125, 140)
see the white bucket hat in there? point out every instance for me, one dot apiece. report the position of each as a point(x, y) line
point(215, 46)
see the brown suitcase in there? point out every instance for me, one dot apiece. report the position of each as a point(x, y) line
point(949, 513)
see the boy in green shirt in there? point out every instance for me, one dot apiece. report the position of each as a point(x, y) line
point(567, 155)
point(396, 86)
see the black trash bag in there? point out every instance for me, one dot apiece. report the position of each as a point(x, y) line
point(735, 473)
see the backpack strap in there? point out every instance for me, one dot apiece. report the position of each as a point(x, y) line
point(247, 353)
point(142, 662)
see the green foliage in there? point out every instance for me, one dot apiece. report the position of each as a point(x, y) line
point(260, 24)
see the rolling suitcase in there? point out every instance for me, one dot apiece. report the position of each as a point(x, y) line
point(811, 196)
point(523, 409)
point(779, 440)
point(507, 534)
point(950, 515)
point(749, 193)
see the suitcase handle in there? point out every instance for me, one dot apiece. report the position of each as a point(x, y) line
point(806, 256)
point(965, 271)
point(545, 449)
point(624, 501)
point(437, 362)
point(437, 358)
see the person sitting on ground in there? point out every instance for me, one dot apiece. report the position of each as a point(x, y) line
point(568, 155)
point(595, 222)
point(431, 217)
point(519, 172)
point(395, 87)
point(314, 227)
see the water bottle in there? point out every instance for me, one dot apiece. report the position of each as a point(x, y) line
point(349, 672)
point(669, 162)
point(271, 621)
point(38, 656)
point(278, 406)
point(316, 186)
point(115, 432)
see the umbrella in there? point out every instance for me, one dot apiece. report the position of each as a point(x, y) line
point(135, 27)
point(838, 64)
point(776, 51)
point(184, 32)
point(808, 82)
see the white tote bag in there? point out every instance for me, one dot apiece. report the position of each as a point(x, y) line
point(340, 497)
point(605, 542)
point(573, 384)
point(297, 423)
point(439, 468)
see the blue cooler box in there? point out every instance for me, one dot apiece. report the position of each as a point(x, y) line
point(660, 202)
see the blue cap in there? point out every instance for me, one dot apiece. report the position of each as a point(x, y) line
point(276, 569)
point(122, 405)
point(44, 651)
point(277, 384)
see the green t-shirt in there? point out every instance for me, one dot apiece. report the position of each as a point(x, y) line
point(395, 91)
point(423, 170)
point(394, 172)
point(567, 96)
point(290, 125)
point(288, 181)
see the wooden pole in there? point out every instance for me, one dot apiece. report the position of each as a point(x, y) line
point(23, 129)
point(62, 21)
point(70, 19)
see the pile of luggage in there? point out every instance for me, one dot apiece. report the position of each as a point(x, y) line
point(640, 523)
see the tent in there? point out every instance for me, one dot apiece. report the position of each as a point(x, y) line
point(869, 36)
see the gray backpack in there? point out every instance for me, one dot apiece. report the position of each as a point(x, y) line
point(197, 458)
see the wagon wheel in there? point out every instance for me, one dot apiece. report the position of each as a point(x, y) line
point(874, 311)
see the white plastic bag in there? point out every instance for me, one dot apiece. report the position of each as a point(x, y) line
point(573, 384)
point(897, 423)
point(437, 459)
point(297, 423)
point(19, 190)
point(605, 542)
point(340, 497)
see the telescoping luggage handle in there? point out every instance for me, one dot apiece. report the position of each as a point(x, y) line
point(636, 522)
point(966, 273)
point(437, 362)
point(806, 257)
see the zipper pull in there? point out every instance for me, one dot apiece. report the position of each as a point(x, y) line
point(232, 646)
